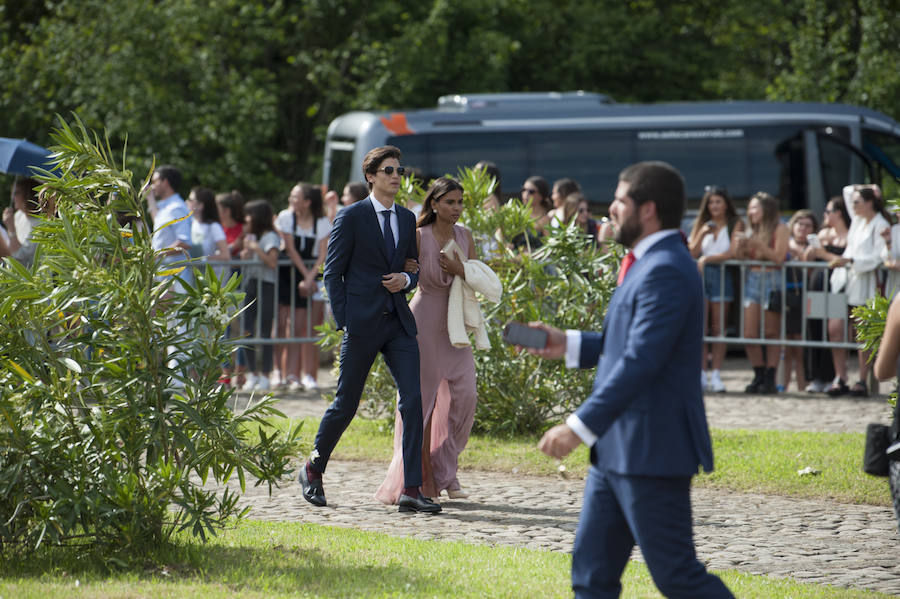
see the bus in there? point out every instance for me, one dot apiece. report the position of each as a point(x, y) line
point(803, 153)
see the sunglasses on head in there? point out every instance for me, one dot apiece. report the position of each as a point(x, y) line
point(716, 189)
point(389, 170)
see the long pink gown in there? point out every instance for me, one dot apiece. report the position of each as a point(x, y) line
point(447, 377)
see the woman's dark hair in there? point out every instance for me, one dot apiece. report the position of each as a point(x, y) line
point(261, 215)
point(314, 195)
point(209, 212)
point(359, 191)
point(566, 187)
point(32, 201)
point(868, 194)
point(439, 188)
point(492, 170)
point(703, 216)
point(234, 201)
point(544, 189)
point(841, 207)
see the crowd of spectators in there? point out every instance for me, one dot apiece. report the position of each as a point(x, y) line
point(741, 258)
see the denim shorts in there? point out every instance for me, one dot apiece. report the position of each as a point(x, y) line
point(712, 283)
point(758, 285)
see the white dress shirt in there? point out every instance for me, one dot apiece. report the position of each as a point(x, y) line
point(395, 224)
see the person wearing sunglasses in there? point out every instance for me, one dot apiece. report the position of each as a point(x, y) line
point(856, 273)
point(535, 191)
point(370, 243)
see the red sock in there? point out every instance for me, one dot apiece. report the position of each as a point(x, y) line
point(312, 474)
point(411, 491)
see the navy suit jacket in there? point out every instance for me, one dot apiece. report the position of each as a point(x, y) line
point(646, 405)
point(356, 261)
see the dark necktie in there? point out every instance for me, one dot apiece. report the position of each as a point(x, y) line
point(627, 261)
point(389, 248)
point(388, 236)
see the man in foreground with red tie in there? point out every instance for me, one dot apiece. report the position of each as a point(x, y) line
point(644, 420)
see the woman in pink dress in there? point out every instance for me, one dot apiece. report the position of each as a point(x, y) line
point(447, 372)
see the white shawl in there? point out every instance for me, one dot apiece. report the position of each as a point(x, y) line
point(463, 311)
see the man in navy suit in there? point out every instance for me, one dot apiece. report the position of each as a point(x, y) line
point(369, 245)
point(644, 420)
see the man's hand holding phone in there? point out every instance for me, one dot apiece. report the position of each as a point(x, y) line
point(538, 338)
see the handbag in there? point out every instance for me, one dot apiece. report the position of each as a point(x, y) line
point(878, 439)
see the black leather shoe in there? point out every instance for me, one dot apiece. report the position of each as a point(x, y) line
point(312, 490)
point(418, 504)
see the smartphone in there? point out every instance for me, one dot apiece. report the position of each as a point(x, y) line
point(516, 333)
point(813, 240)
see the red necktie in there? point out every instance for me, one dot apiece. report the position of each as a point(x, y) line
point(627, 261)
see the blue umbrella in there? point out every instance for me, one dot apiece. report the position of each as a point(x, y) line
point(20, 157)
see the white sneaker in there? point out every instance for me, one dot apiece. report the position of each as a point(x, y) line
point(276, 380)
point(262, 384)
point(294, 383)
point(249, 382)
point(715, 382)
point(703, 380)
point(309, 382)
point(457, 494)
point(816, 386)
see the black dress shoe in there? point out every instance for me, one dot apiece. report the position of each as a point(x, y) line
point(312, 490)
point(418, 504)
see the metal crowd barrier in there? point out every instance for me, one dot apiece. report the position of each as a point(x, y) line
point(815, 304)
point(256, 338)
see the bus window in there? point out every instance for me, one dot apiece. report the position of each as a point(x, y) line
point(704, 156)
point(594, 158)
point(414, 153)
point(438, 154)
point(884, 149)
point(842, 165)
point(340, 174)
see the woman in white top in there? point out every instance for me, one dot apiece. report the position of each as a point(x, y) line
point(207, 234)
point(304, 230)
point(860, 262)
point(20, 219)
point(832, 241)
point(562, 189)
point(710, 243)
point(261, 244)
point(890, 255)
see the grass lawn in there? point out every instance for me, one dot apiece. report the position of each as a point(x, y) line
point(746, 461)
point(272, 560)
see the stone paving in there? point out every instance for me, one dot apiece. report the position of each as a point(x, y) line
point(816, 541)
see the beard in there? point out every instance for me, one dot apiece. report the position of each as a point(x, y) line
point(630, 230)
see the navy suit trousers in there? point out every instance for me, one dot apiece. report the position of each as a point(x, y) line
point(358, 353)
point(655, 512)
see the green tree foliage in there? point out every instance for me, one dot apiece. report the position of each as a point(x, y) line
point(104, 440)
point(239, 93)
point(843, 52)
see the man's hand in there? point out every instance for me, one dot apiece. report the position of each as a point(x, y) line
point(556, 342)
point(559, 441)
point(394, 282)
